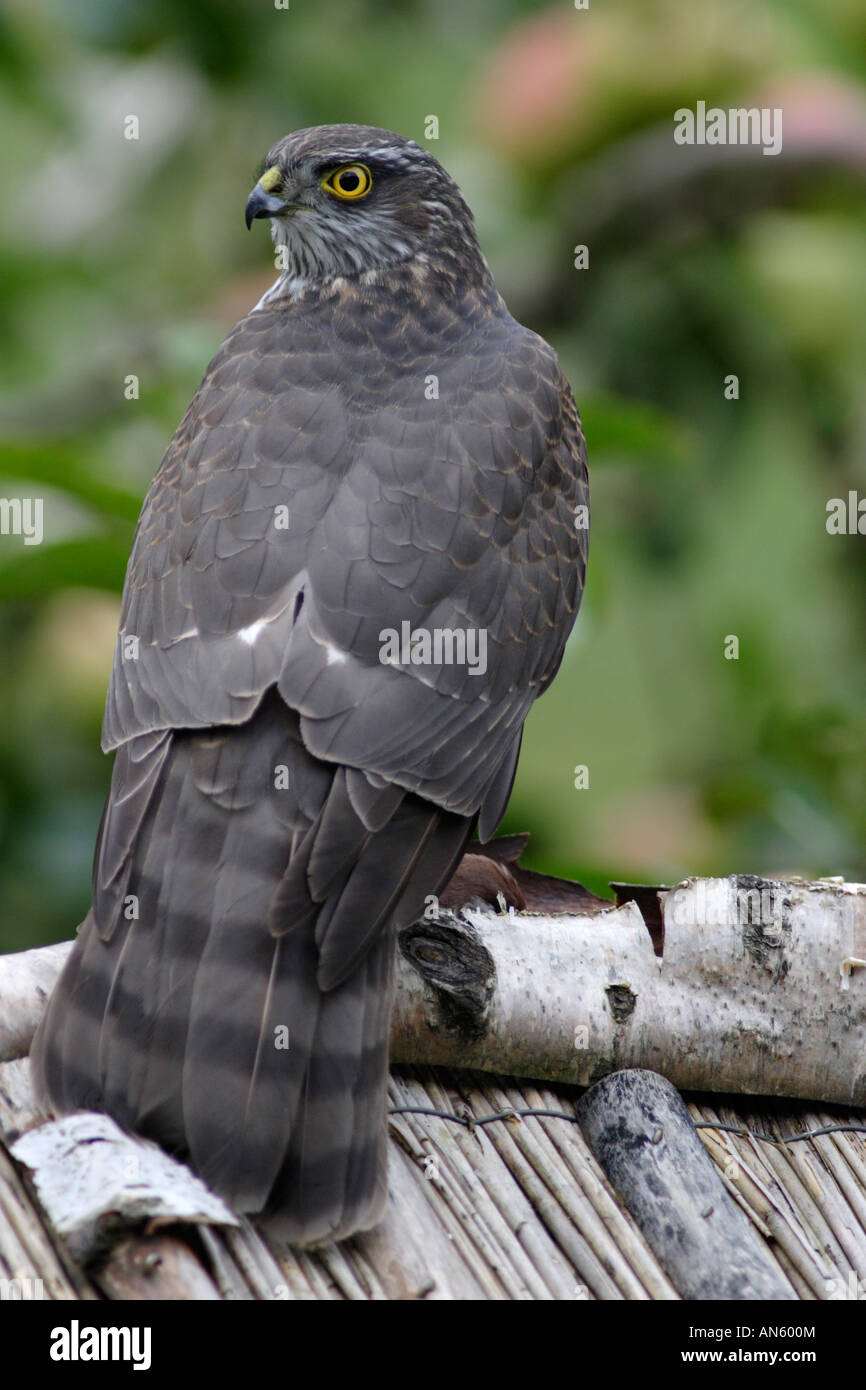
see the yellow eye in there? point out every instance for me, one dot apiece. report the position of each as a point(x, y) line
point(350, 181)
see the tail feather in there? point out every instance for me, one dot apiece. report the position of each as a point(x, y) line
point(64, 1055)
point(142, 762)
point(230, 994)
point(333, 1180)
point(159, 931)
point(379, 881)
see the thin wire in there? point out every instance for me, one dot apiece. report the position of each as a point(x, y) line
point(484, 1119)
point(561, 1115)
point(786, 1138)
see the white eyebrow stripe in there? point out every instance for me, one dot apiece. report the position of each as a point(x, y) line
point(399, 156)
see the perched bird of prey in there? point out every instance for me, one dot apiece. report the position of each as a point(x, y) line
point(355, 570)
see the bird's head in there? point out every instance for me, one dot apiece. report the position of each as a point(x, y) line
point(345, 200)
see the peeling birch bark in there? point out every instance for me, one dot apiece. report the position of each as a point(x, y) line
point(738, 985)
point(93, 1180)
point(26, 980)
point(759, 989)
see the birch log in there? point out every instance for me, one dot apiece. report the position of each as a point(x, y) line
point(759, 989)
point(26, 980)
point(748, 986)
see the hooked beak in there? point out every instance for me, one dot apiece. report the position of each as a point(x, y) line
point(262, 204)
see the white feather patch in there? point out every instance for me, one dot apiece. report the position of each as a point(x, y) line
point(249, 634)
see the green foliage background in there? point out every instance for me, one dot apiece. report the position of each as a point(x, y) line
point(709, 514)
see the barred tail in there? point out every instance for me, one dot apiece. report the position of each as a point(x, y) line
point(230, 992)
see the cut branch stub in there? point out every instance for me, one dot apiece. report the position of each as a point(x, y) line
point(637, 1126)
point(451, 958)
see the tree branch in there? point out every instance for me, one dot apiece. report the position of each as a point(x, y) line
point(739, 985)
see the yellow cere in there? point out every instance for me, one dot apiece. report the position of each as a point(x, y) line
point(270, 179)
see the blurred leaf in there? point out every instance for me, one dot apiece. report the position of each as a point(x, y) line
point(97, 562)
point(55, 467)
point(615, 425)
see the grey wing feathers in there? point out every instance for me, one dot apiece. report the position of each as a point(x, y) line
point(450, 514)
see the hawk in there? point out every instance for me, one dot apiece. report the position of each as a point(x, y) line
point(354, 572)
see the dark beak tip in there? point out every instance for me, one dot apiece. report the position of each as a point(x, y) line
point(262, 204)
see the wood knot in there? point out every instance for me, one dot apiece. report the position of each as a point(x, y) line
point(449, 955)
